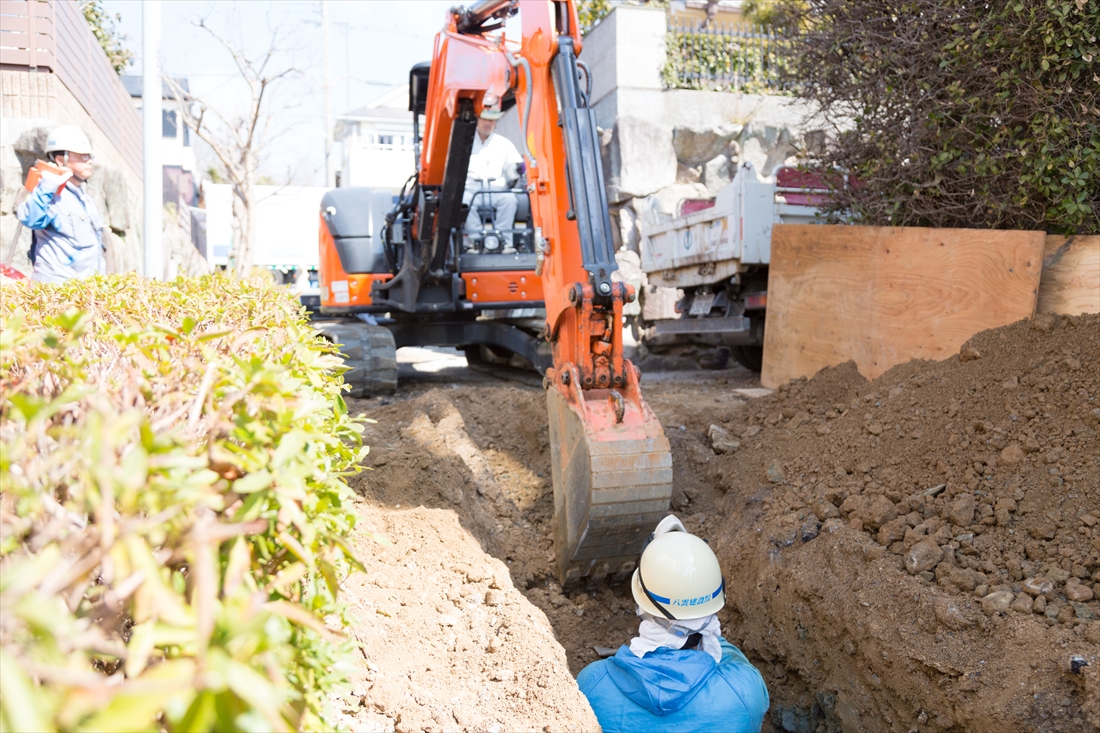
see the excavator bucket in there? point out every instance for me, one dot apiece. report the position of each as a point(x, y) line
point(612, 472)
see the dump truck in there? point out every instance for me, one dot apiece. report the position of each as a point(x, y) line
point(718, 257)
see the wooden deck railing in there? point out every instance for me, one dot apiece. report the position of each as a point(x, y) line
point(52, 34)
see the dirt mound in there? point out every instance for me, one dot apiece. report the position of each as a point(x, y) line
point(448, 642)
point(923, 550)
point(985, 471)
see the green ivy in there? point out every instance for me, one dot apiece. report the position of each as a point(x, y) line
point(109, 37)
point(744, 61)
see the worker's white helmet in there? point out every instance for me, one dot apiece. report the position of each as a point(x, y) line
point(68, 138)
point(678, 576)
point(491, 107)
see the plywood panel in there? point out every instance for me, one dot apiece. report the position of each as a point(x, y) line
point(1071, 275)
point(881, 296)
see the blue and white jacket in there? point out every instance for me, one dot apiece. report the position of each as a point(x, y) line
point(676, 690)
point(68, 233)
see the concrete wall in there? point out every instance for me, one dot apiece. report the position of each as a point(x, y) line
point(31, 104)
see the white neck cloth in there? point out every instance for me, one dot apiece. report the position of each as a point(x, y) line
point(654, 633)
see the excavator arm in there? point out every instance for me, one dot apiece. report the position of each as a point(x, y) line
point(612, 468)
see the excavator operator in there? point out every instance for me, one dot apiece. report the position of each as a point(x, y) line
point(495, 166)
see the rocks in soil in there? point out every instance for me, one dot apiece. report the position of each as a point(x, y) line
point(969, 353)
point(1077, 592)
point(999, 556)
point(923, 556)
point(721, 441)
point(949, 613)
point(1038, 586)
point(1022, 603)
point(997, 602)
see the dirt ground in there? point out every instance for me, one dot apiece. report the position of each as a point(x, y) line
point(916, 553)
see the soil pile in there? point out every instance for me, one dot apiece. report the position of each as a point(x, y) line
point(923, 551)
point(913, 553)
point(448, 642)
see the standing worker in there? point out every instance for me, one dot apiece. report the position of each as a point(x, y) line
point(494, 165)
point(67, 229)
point(678, 674)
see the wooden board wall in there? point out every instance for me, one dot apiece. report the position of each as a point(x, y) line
point(1071, 275)
point(884, 295)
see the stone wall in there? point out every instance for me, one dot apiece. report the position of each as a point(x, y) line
point(31, 104)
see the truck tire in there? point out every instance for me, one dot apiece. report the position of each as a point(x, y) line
point(750, 357)
point(370, 354)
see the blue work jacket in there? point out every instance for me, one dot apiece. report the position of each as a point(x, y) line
point(673, 690)
point(68, 233)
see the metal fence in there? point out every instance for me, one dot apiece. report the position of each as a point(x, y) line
point(52, 34)
point(723, 57)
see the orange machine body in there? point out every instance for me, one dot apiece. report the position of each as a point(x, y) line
point(612, 465)
point(338, 288)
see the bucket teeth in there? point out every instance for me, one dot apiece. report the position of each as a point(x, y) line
point(612, 484)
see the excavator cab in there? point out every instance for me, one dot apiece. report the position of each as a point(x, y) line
point(428, 272)
point(489, 236)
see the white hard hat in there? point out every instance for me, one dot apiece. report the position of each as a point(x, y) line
point(491, 107)
point(678, 576)
point(68, 138)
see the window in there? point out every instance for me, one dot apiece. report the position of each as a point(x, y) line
point(168, 123)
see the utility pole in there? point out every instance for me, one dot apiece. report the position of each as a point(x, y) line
point(152, 172)
point(330, 169)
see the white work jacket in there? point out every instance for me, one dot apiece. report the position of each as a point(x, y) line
point(494, 163)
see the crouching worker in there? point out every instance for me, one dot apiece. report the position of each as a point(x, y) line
point(68, 230)
point(678, 674)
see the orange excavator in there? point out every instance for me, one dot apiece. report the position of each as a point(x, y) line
point(402, 276)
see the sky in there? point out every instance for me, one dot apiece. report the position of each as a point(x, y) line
point(372, 45)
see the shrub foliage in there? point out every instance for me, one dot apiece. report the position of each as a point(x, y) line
point(746, 59)
point(174, 516)
point(957, 114)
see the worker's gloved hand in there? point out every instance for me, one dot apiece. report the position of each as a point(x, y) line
point(53, 181)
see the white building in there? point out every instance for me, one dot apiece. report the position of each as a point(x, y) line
point(177, 155)
point(287, 219)
point(378, 149)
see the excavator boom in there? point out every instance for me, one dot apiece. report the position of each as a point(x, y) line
point(611, 463)
point(612, 469)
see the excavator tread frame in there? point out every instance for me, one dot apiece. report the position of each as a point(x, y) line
point(370, 353)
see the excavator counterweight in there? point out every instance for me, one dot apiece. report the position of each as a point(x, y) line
point(612, 467)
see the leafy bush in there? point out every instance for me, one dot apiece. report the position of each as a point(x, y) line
point(591, 12)
point(733, 59)
point(173, 514)
point(111, 40)
point(957, 114)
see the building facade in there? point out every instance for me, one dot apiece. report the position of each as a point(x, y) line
point(377, 143)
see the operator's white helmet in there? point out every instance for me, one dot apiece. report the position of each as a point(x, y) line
point(68, 138)
point(491, 107)
point(678, 576)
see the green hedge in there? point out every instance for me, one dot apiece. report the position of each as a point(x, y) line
point(173, 513)
point(956, 114)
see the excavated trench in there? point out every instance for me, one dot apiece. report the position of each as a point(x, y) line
point(820, 598)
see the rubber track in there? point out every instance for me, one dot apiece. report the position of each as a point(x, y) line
point(370, 354)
